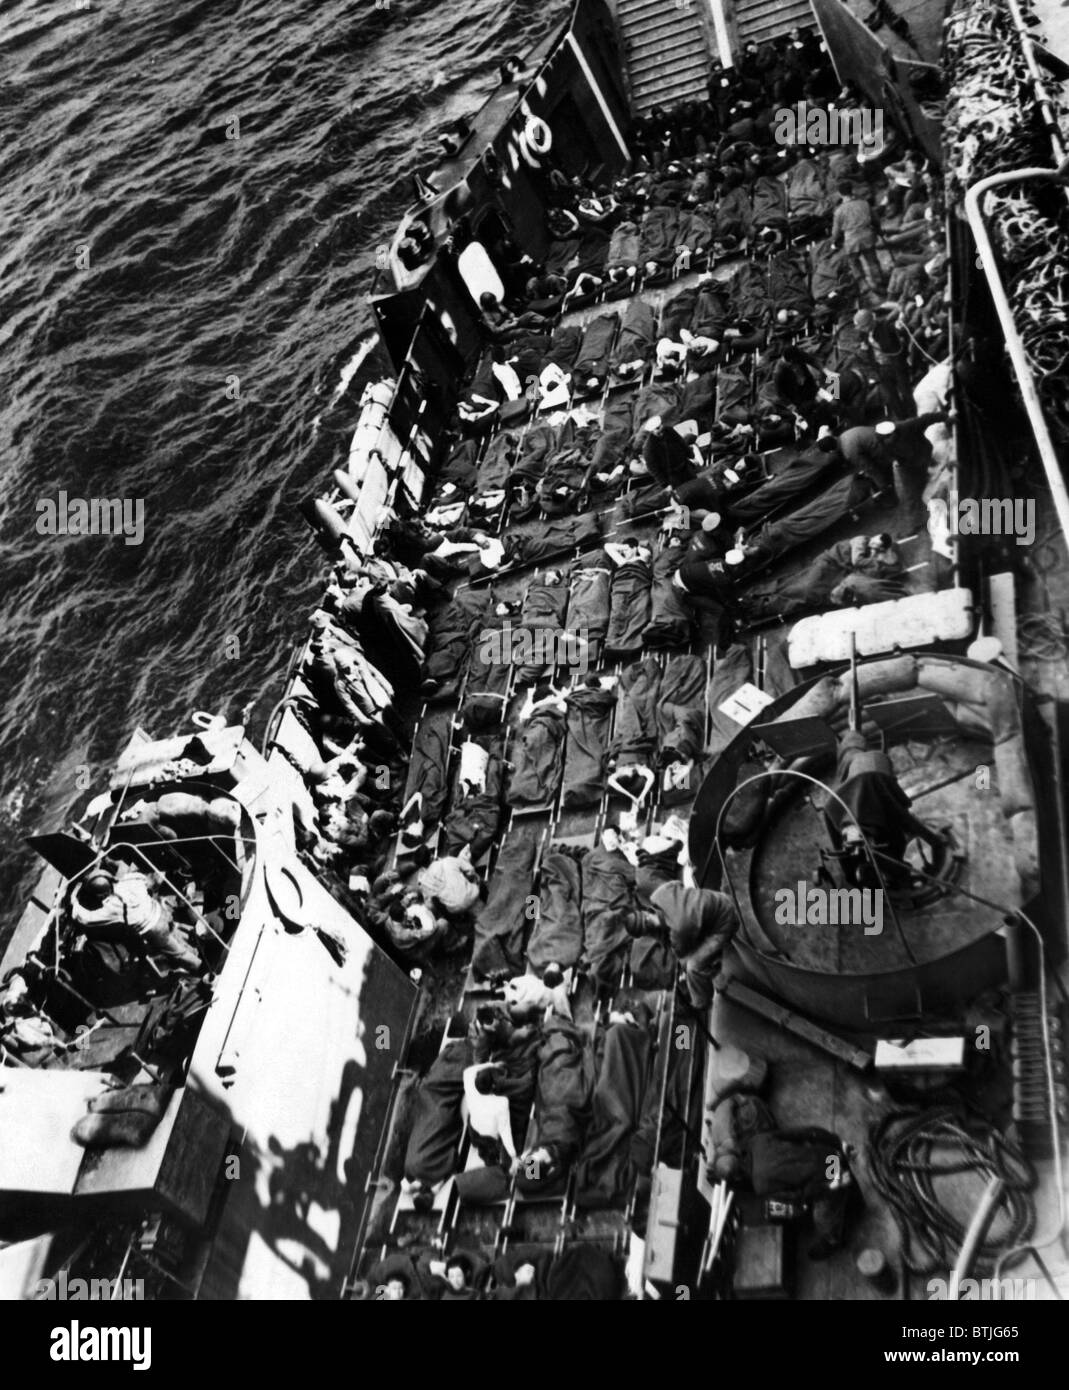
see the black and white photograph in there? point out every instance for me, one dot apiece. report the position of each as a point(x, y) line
point(534, 666)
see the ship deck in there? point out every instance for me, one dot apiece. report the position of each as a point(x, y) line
point(810, 1086)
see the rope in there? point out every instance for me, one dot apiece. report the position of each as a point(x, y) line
point(1042, 637)
point(902, 1155)
point(923, 351)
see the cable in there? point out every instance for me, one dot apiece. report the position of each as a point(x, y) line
point(1042, 637)
point(1018, 914)
point(903, 1163)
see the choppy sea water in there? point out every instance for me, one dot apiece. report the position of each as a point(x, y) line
point(190, 200)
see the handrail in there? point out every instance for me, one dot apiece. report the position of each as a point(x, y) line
point(1046, 106)
point(1022, 368)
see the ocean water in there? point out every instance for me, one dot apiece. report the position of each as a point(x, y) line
point(191, 197)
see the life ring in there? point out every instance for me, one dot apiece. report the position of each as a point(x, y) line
point(537, 135)
point(536, 140)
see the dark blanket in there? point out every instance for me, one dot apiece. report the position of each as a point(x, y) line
point(635, 735)
point(659, 235)
point(806, 195)
point(658, 398)
point(493, 469)
point(592, 252)
point(564, 346)
point(562, 1106)
point(541, 616)
point(712, 313)
point(662, 1131)
point(563, 486)
point(592, 363)
point(503, 921)
point(428, 767)
point(799, 476)
point(638, 334)
point(670, 619)
point(830, 506)
point(681, 710)
point(616, 430)
point(750, 298)
point(459, 469)
point(572, 256)
point(475, 816)
point(733, 395)
point(588, 598)
point(608, 894)
point(390, 630)
point(788, 284)
point(734, 214)
point(452, 629)
point(729, 672)
point(678, 312)
point(589, 718)
point(489, 670)
point(829, 271)
point(530, 465)
point(558, 932)
point(812, 588)
point(561, 256)
point(668, 458)
point(585, 1274)
point(517, 1053)
point(769, 202)
point(605, 1174)
point(537, 755)
point(629, 610)
point(432, 1144)
point(699, 401)
point(543, 540)
point(697, 230)
point(623, 246)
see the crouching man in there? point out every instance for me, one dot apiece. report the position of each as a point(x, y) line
point(126, 909)
point(700, 924)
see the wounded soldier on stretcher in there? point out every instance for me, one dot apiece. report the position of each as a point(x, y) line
point(428, 913)
point(865, 569)
point(562, 1108)
point(772, 539)
point(403, 1276)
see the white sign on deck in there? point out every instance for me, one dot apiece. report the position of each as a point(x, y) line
point(745, 704)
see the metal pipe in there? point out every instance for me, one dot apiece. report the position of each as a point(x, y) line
point(1021, 367)
point(976, 1234)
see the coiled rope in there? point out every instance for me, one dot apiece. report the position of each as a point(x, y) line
point(909, 1149)
point(1042, 637)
